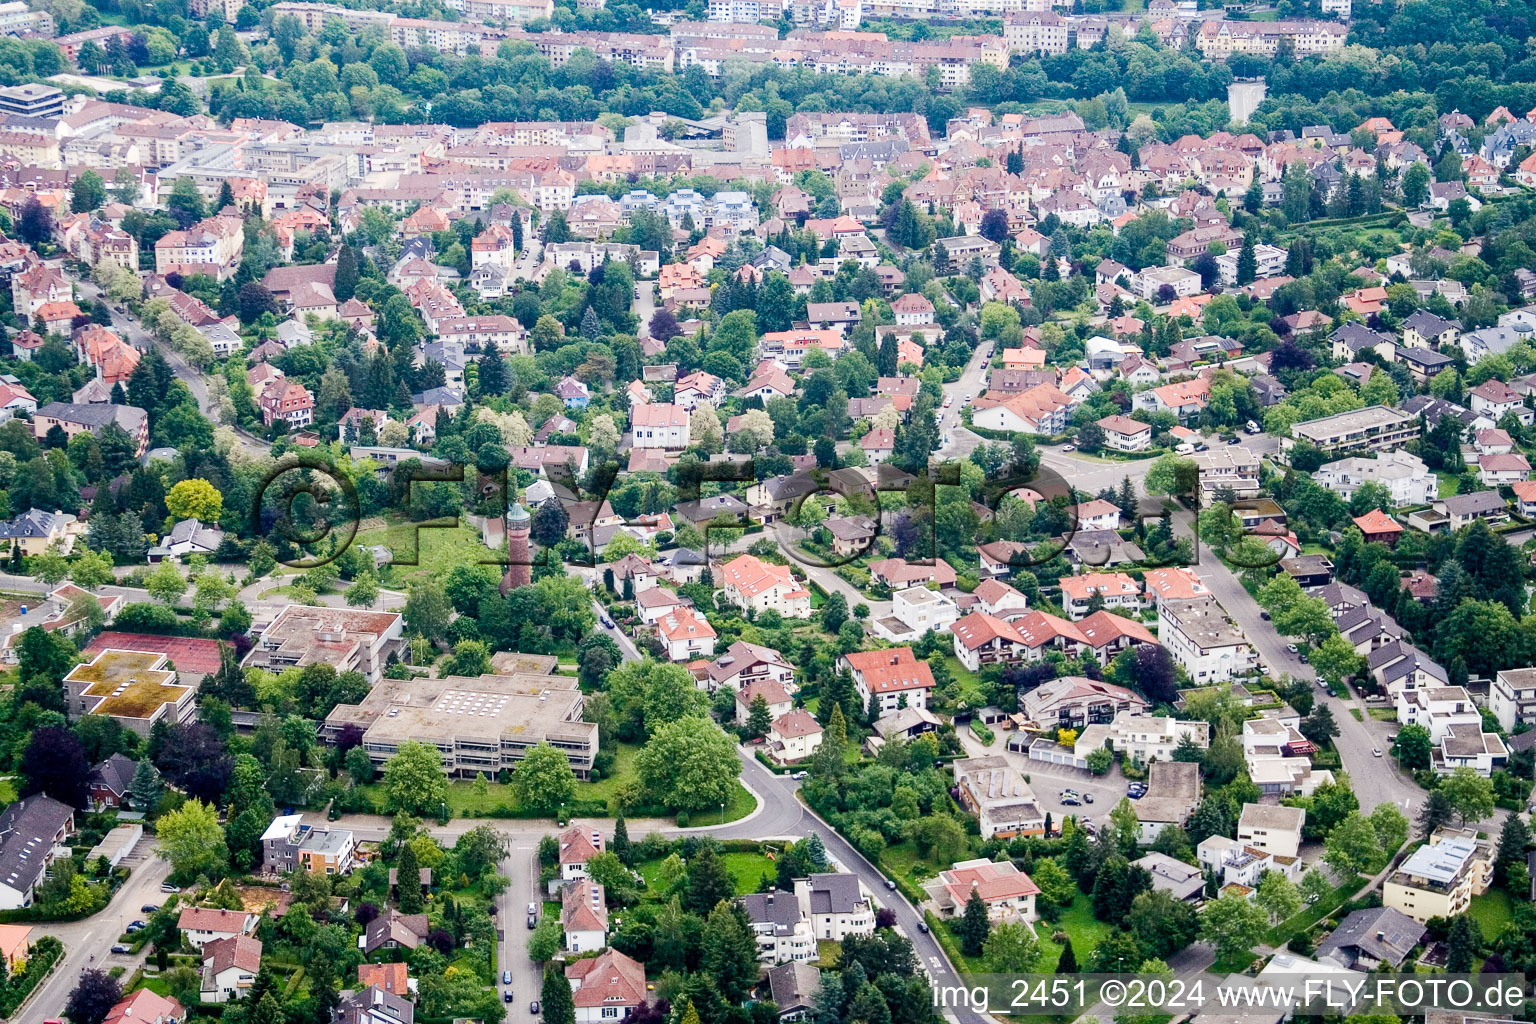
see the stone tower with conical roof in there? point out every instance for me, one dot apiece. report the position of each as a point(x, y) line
point(520, 570)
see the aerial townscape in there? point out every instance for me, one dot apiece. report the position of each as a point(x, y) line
point(920, 489)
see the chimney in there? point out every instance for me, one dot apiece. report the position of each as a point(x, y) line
point(1381, 936)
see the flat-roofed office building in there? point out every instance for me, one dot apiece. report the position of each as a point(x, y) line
point(479, 723)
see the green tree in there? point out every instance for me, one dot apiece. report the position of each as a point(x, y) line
point(1415, 185)
point(689, 764)
point(408, 880)
point(195, 499)
point(346, 274)
point(559, 1005)
point(1471, 795)
point(1391, 827)
point(87, 193)
point(145, 791)
point(975, 926)
point(543, 780)
point(1233, 924)
point(1414, 747)
point(1278, 896)
point(428, 610)
point(1352, 846)
point(730, 951)
point(758, 720)
point(546, 939)
point(414, 779)
point(708, 882)
point(1462, 945)
point(1011, 949)
point(192, 840)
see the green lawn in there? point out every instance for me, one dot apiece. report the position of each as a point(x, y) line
point(1447, 483)
point(436, 550)
point(1492, 911)
point(1079, 924)
point(748, 869)
point(7, 791)
point(464, 802)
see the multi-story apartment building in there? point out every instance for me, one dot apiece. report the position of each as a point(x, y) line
point(1375, 428)
point(1043, 32)
point(1218, 40)
point(346, 639)
point(1512, 697)
point(1204, 640)
point(1440, 878)
point(1403, 474)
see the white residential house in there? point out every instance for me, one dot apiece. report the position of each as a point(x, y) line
point(1144, 738)
point(780, 926)
point(201, 925)
point(583, 916)
point(1236, 864)
point(794, 736)
point(685, 636)
point(1008, 892)
point(893, 675)
point(1272, 828)
point(1512, 697)
point(578, 845)
point(915, 611)
point(1438, 709)
point(229, 968)
point(660, 425)
point(1200, 636)
point(1114, 589)
point(993, 788)
point(763, 586)
point(1403, 474)
point(836, 904)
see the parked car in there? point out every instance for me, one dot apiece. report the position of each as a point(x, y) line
point(149, 908)
point(533, 1007)
point(506, 996)
point(1069, 447)
point(1376, 752)
point(120, 948)
point(1302, 657)
point(890, 883)
point(1234, 439)
point(797, 776)
point(1292, 648)
point(533, 921)
point(533, 908)
point(922, 926)
point(506, 977)
point(1071, 801)
point(137, 924)
point(607, 622)
point(1087, 798)
point(1263, 615)
point(168, 888)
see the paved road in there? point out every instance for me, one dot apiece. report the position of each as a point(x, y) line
point(645, 305)
point(95, 935)
point(131, 331)
point(521, 867)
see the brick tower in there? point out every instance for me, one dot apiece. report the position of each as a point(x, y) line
point(520, 571)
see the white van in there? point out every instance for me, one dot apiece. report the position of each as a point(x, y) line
point(1187, 448)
